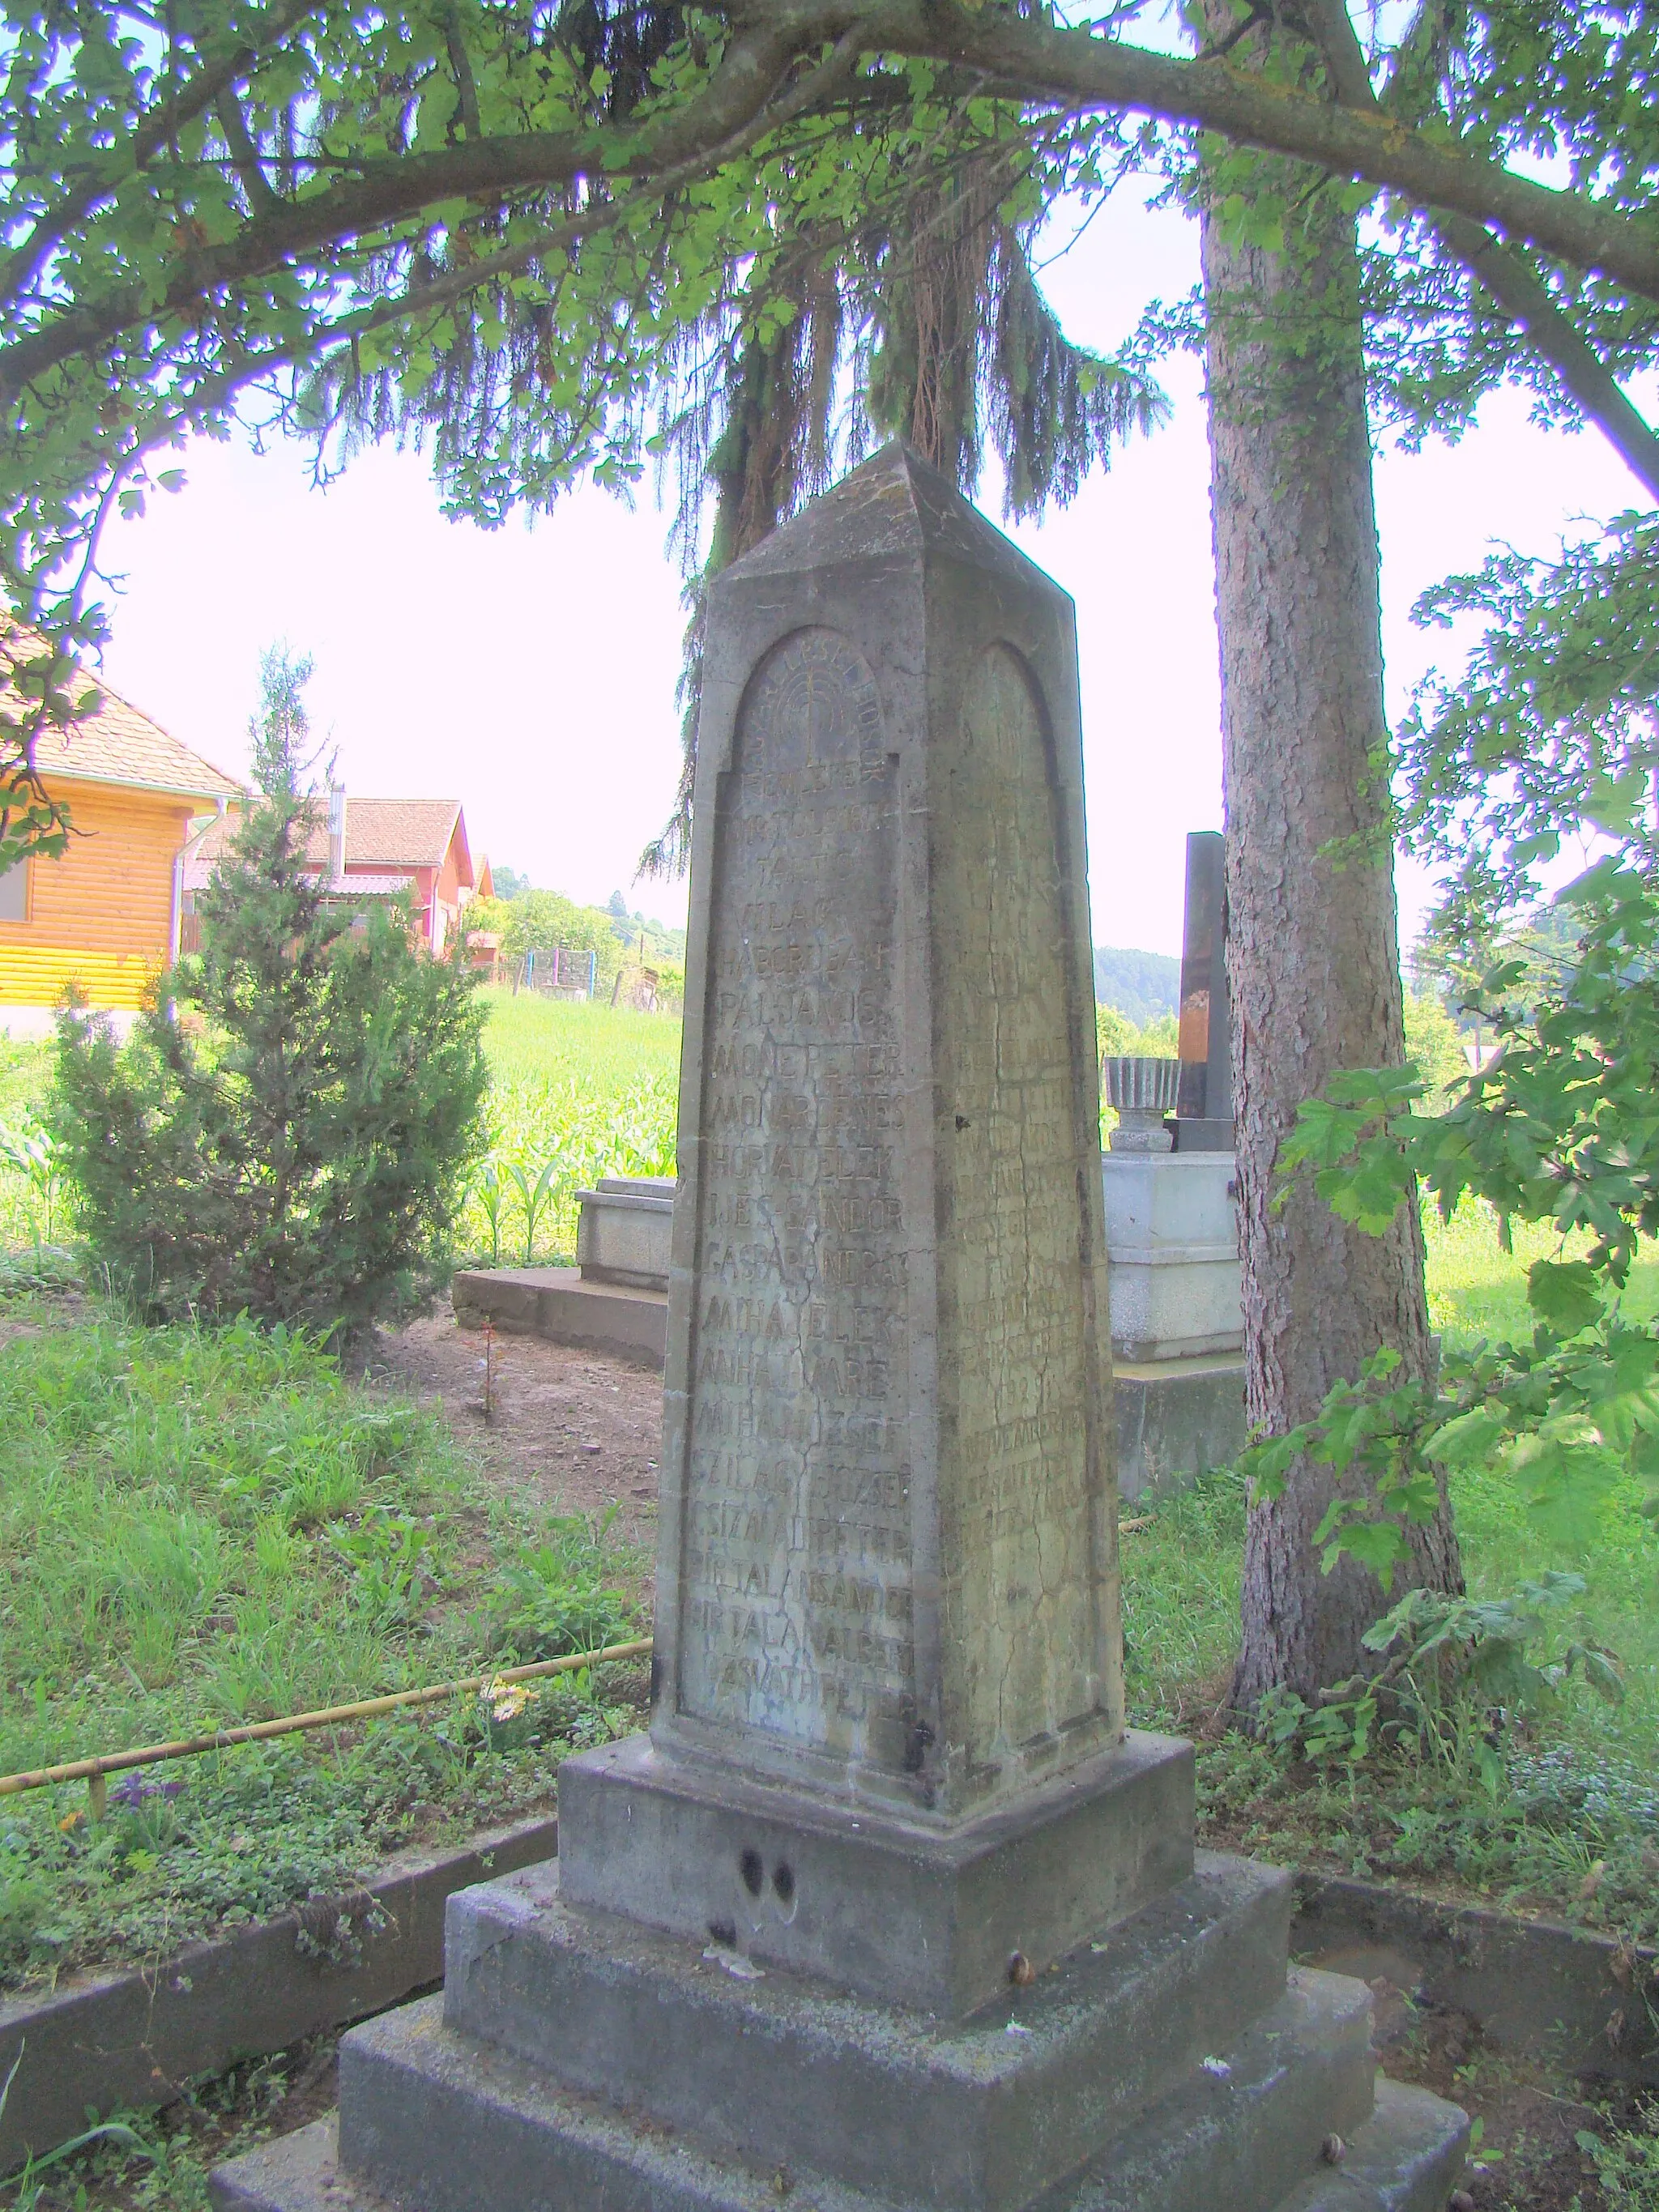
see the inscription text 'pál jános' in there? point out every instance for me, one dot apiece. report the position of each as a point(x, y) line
point(795, 1585)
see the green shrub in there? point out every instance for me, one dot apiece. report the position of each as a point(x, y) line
point(289, 1131)
point(549, 1598)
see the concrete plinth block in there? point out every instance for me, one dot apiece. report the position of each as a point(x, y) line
point(493, 2141)
point(1407, 2158)
point(973, 2117)
point(431, 2121)
point(299, 2171)
point(1172, 1238)
point(625, 1232)
point(1175, 1418)
point(861, 1897)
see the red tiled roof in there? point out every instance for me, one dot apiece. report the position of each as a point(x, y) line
point(384, 835)
point(117, 744)
point(392, 833)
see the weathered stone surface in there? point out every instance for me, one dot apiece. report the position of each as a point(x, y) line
point(554, 1302)
point(1243, 2131)
point(1407, 2158)
point(957, 2115)
point(870, 1900)
point(887, 1567)
point(1175, 1418)
point(625, 1232)
point(443, 2123)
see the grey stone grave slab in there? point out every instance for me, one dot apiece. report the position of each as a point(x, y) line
point(889, 1910)
point(625, 1232)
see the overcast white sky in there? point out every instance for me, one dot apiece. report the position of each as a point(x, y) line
point(530, 673)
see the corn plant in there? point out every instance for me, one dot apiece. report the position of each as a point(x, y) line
point(536, 1196)
point(32, 1152)
point(491, 1194)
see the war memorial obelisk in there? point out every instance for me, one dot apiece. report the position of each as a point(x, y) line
point(888, 1910)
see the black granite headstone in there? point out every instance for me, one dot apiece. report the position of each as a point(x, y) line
point(1204, 1108)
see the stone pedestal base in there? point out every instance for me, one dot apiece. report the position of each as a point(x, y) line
point(1175, 1419)
point(1172, 1240)
point(577, 2063)
point(863, 1897)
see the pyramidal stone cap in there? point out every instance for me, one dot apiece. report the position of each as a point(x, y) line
point(893, 507)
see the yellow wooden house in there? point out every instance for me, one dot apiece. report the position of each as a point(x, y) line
point(104, 916)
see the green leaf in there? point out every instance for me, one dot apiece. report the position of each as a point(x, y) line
point(1469, 1440)
point(1563, 1294)
point(1378, 1544)
point(1565, 1485)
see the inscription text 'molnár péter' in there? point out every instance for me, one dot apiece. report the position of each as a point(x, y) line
point(795, 1574)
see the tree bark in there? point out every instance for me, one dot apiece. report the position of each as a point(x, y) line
point(1313, 953)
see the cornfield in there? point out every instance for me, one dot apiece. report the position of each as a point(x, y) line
point(576, 1091)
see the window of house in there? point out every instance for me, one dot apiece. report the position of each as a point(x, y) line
point(14, 892)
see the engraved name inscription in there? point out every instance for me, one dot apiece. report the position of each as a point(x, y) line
point(795, 1588)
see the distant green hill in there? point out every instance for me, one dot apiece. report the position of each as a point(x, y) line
point(1141, 984)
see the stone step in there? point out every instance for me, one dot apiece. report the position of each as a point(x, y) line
point(978, 2114)
point(1244, 2131)
point(438, 2123)
point(1406, 2159)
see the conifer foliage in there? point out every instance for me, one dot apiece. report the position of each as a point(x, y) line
point(288, 1130)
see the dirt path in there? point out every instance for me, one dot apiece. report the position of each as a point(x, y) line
point(573, 1430)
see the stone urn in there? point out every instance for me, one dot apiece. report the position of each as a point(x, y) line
point(1143, 1092)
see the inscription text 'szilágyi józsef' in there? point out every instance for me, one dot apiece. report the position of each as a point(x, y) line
point(796, 1599)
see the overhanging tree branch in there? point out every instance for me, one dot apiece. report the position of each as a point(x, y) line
point(1505, 275)
point(388, 192)
point(1016, 56)
point(24, 264)
point(1028, 58)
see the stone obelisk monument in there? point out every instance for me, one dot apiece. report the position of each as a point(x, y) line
point(887, 1909)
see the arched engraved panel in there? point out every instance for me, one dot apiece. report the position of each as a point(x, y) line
point(1019, 1435)
point(795, 1572)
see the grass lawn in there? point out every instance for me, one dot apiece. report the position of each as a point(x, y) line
point(193, 1530)
point(1575, 1785)
point(197, 1530)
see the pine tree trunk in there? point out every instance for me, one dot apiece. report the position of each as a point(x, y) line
point(1313, 956)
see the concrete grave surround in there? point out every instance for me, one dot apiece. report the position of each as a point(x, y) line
point(1177, 1319)
point(888, 1911)
point(614, 1300)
